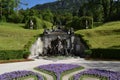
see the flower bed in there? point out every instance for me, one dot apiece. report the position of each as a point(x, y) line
point(102, 74)
point(58, 69)
point(19, 74)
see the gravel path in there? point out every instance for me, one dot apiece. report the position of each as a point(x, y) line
point(89, 78)
point(48, 77)
point(66, 77)
point(9, 67)
point(29, 79)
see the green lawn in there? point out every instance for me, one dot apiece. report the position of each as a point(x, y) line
point(14, 36)
point(104, 36)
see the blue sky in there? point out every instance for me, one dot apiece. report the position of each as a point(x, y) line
point(32, 3)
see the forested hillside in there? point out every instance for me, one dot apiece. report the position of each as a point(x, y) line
point(61, 6)
point(100, 10)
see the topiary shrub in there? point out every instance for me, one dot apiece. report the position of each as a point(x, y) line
point(3, 19)
point(86, 22)
point(16, 18)
point(74, 23)
point(37, 23)
point(47, 25)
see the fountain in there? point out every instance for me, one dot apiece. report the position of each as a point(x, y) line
point(36, 49)
point(57, 42)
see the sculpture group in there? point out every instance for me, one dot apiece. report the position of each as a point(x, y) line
point(57, 44)
point(58, 47)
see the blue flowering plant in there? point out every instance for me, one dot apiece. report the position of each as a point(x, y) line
point(102, 74)
point(57, 69)
point(15, 75)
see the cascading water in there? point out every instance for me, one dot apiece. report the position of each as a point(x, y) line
point(36, 49)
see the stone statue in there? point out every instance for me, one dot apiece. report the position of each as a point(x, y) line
point(59, 47)
point(31, 24)
point(56, 46)
point(86, 24)
point(71, 30)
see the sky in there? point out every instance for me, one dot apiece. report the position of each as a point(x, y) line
point(32, 3)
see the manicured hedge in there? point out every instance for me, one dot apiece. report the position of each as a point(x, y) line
point(16, 18)
point(106, 53)
point(13, 54)
point(100, 53)
point(17, 54)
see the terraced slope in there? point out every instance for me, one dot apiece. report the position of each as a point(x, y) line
point(104, 36)
point(14, 36)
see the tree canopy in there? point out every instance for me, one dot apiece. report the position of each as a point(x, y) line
point(61, 12)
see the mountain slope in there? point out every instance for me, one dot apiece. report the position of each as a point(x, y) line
point(60, 6)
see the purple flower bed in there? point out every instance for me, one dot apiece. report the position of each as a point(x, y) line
point(110, 75)
point(58, 68)
point(19, 74)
